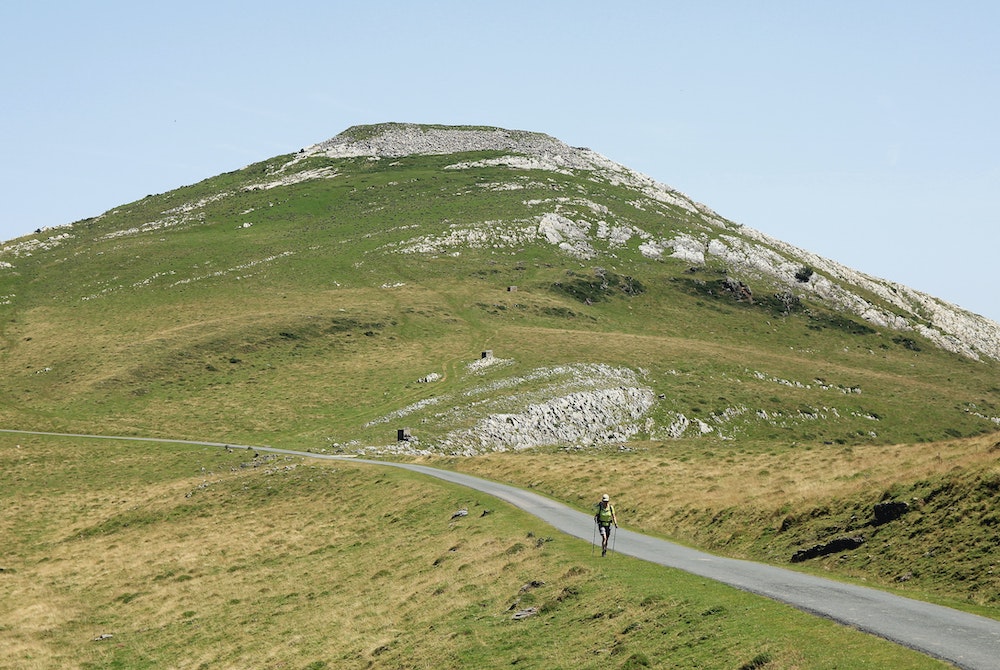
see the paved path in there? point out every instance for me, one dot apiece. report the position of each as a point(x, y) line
point(966, 640)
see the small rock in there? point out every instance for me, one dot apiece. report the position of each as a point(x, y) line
point(889, 511)
point(832, 547)
point(525, 613)
point(533, 584)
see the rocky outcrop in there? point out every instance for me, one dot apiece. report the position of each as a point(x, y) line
point(889, 511)
point(747, 253)
point(832, 547)
point(743, 249)
point(394, 140)
point(581, 405)
point(586, 418)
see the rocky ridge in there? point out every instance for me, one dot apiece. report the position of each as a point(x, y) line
point(587, 230)
point(744, 249)
point(572, 405)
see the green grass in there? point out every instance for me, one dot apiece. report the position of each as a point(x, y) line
point(768, 503)
point(310, 330)
point(195, 557)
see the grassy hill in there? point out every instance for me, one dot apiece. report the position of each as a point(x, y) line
point(727, 389)
point(139, 556)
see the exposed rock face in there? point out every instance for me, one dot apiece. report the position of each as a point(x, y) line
point(581, 404)
point(529, 151)
point(889, 511)
point(597, 236)
point(748, 251)
point(832, 547)
point(393, 140)
point(585, 418)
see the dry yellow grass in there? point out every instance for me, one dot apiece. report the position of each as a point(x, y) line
point(191, 558)
point(237, 559)
point(653, 482)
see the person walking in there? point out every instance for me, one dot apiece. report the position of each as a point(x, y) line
point(604, 518)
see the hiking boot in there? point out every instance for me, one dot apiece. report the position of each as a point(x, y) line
point(603, 552)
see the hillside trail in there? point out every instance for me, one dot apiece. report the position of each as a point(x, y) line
point(966, 640)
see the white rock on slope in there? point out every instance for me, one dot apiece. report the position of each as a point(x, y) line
point(744, 249)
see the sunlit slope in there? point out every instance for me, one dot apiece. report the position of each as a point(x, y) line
point(327, 299)
point(147, 556)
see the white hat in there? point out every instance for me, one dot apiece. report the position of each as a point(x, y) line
point(605, 498)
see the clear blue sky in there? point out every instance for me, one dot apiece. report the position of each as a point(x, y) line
point(864, 131)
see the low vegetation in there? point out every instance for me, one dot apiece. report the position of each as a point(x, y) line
point(769, 504)
point(126, 555)
point(321, 304)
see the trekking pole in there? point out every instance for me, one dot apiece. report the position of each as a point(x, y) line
point(593, 543)
point(614, 536)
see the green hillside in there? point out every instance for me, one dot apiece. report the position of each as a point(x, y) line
point(531, 312)
point(298, 313)
point(159, 556)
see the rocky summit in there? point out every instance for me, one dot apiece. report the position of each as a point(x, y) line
point(426, 289)
point(749, 251)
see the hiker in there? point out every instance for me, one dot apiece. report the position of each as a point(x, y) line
point(604, 518)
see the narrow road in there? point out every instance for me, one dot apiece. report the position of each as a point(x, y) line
point(965, 640)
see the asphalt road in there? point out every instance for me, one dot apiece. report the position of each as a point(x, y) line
point(965, 640)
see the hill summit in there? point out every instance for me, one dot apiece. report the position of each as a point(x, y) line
point(468, 289)
point(749, 250)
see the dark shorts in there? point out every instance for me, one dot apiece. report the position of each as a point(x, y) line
point(605, 529)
